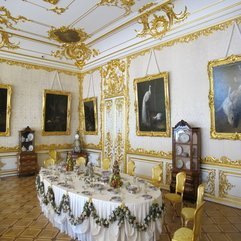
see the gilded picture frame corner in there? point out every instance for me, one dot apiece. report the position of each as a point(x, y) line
point(224, 97)
point(5, 109)
point(56, 112)
point(90, 116)
point(152, 105)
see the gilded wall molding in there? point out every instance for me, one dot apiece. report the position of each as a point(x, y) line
point(155, 25)
point(125, 4)
point(108, 146)
point(189, 37)
point(224, 184)
point(210, 189)
point(5, 41)
point(44, 147)
point(118, 149)
point(113, 75)
point(36, 67)
point(51, 1)
point(4, 149)
point(222, 161)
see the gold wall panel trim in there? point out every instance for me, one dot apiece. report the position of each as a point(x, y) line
point(113, 75)
point(125, 4)
point(152, 153)
point(168, 173)
point(211, 182)
point(222, 161)
point(37, 67)
point(224, 184)
point(44, 147)
point(6, 43)
point(108, 146)
point(119, 148)
point(8, 20)
point(189, 37)
point(52, 1)
point(8, 149)
point(93, 146)
point(157, 26)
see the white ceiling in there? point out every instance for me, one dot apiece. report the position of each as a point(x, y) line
point(112, 28)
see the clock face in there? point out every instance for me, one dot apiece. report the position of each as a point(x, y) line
point(184, 138)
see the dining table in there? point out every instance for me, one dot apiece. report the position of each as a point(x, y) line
point(87, 208)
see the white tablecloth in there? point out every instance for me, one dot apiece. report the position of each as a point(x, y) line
point(89, 230)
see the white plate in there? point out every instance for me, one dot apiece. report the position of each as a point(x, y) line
point(187, 165)
point(184, 138)
point(30, 148)
point(178, 150)
point(30, 136)
point(179, 163)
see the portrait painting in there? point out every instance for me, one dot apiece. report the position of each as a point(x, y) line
point(56, 113)
point(225, 97)
point(5, 109)
point(152, 105)
point(90, 116)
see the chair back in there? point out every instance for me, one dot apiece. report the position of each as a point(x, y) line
point(105, 164)
point(49, 162)
point(200, 195)
point(80, 161)
point(54, 155)
point(180, 182)
point(197, 221)
point(131, 168)
point(157, 173)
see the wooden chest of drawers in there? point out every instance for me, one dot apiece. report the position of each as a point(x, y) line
point(27, 163)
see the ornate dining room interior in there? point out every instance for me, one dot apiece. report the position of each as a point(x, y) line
point(151, 86)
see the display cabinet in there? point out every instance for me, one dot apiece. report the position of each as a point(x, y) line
point(186, 155)
point(27, 158)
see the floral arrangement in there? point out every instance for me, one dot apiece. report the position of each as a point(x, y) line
point(120, 214)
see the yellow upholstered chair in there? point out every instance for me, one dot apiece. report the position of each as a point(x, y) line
point(131, 168)
point(105, 164)
point(156, 175)
point(187, 213)
point(80, 161)
point(54, 155)
point(49, 162)
point(187, 234)
point(177, 197)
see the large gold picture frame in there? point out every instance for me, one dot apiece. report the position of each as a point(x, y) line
point(90, 116)
point(5, 109)
point(225, 97)
point(56, 111)
point(152, 105)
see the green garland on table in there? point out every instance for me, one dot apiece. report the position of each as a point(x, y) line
point(120, 214)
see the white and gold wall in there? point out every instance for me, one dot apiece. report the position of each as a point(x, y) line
point(28, 84)
point(186, 60)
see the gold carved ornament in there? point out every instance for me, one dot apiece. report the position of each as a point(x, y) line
point(119, 155)
point(211, 183)
point(108, 146)
point(125, 4)
point(73, 46)
point(113, 75)
point(157, 26)
point(224, 185)
point(168, 173)
point(222, 161)
point(51, 1)
point(8, 20)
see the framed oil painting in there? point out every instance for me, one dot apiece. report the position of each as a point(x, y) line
point(152, 105)
point(90, 116)
point(5, 109)
point(225, 97)
point(56, 113)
